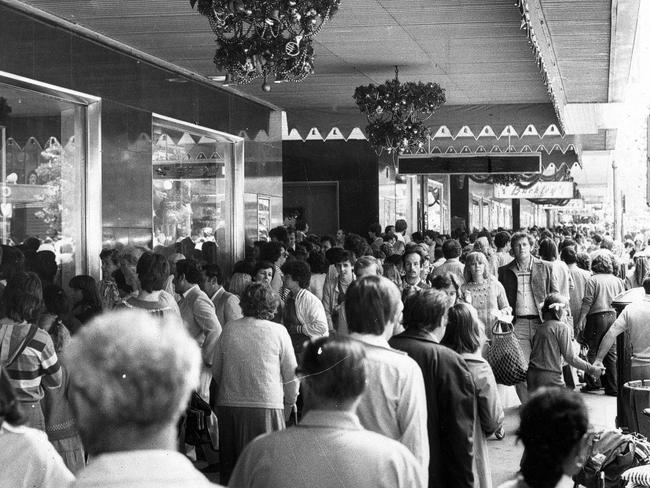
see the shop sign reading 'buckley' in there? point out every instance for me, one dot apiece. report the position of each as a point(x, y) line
point(541, 189)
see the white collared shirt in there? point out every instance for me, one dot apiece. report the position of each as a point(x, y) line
point(394, 404)
point(186, 292)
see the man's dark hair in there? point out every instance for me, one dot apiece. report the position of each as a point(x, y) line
point(501, 239)
point(451, 249)
point(190, 269)
point(400, 225)
point(411, 249)
point(547, 249)
point(431, 234)
point(279, 234)
point(357, 245)
point(607, 243)
point(317, 262)
point(109, 254)
point(567, 243)
point(425, 310)
point(328, 238)
point(299, 272)
point(375, 229)
point(371, 304)
point(153, 271)
point(569, 255)
point(336, 255)
point(583, 261)
point(597, 238)
point(518, 236)
point(271, 251)
point(417, 237)
point(213, 271)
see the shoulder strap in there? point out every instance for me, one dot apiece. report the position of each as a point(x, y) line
point(23, 346)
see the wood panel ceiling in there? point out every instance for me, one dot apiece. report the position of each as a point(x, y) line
point(580, 31)
point(475, 49)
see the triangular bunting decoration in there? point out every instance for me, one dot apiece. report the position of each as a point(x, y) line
point(356, 135)
point(294, 135)
point(552, 130)
point(465, 131)
point(530, 130)
point(487, 131)
point(509, 131)
point(334, 135)
point(314, 134)
point(443, 131)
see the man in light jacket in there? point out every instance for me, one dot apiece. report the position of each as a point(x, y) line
point(527, 280)
point(197, 312)
point(303, 314)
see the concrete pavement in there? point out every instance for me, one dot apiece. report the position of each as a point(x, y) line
point(506, 453)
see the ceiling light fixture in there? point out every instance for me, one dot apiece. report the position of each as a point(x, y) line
point(265, 38)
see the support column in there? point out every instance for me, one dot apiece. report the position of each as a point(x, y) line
point(516, 214)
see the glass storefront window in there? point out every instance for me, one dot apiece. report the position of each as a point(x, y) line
point(192, 170)
point(43, 140)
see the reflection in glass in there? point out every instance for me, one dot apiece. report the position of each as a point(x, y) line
point(43, 166)
point(189, 186)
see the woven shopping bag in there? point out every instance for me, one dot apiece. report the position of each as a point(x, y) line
point(505, 355)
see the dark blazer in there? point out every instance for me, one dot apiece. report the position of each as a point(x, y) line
point(450, 402)
point(542, 281)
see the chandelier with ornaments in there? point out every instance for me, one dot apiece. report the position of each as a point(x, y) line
point(265, 39)
point(396, 112)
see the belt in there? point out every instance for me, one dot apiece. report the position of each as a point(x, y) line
point(527, 317)
point(601, 313)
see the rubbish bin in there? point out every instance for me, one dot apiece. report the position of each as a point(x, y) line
point(636, 398)
point(624, 355)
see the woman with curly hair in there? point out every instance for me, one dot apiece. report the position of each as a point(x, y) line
point(596, 317)
point(254, 370)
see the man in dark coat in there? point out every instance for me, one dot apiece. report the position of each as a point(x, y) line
point(449, 390)
point(527, 281)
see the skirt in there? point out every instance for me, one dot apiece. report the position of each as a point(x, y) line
point(240, 425)
point(72, 451)
point(536, 378)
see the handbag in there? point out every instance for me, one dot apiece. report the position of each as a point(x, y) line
point(505, 355)
point(200, 426)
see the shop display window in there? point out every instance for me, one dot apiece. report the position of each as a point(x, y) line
point(43, 158)
point(192, 171)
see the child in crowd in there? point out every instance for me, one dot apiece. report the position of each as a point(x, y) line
point(551, 344)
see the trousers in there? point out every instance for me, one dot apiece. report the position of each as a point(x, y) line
point(597, 325)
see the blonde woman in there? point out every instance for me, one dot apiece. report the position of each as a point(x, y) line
point(483, 291)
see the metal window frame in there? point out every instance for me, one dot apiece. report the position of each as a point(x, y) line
point(87, 260)
point(234, 178)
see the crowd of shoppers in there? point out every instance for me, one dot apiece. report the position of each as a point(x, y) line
point(360, 361)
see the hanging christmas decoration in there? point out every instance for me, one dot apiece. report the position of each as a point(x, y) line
point(396, 113)
point(268, 39)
